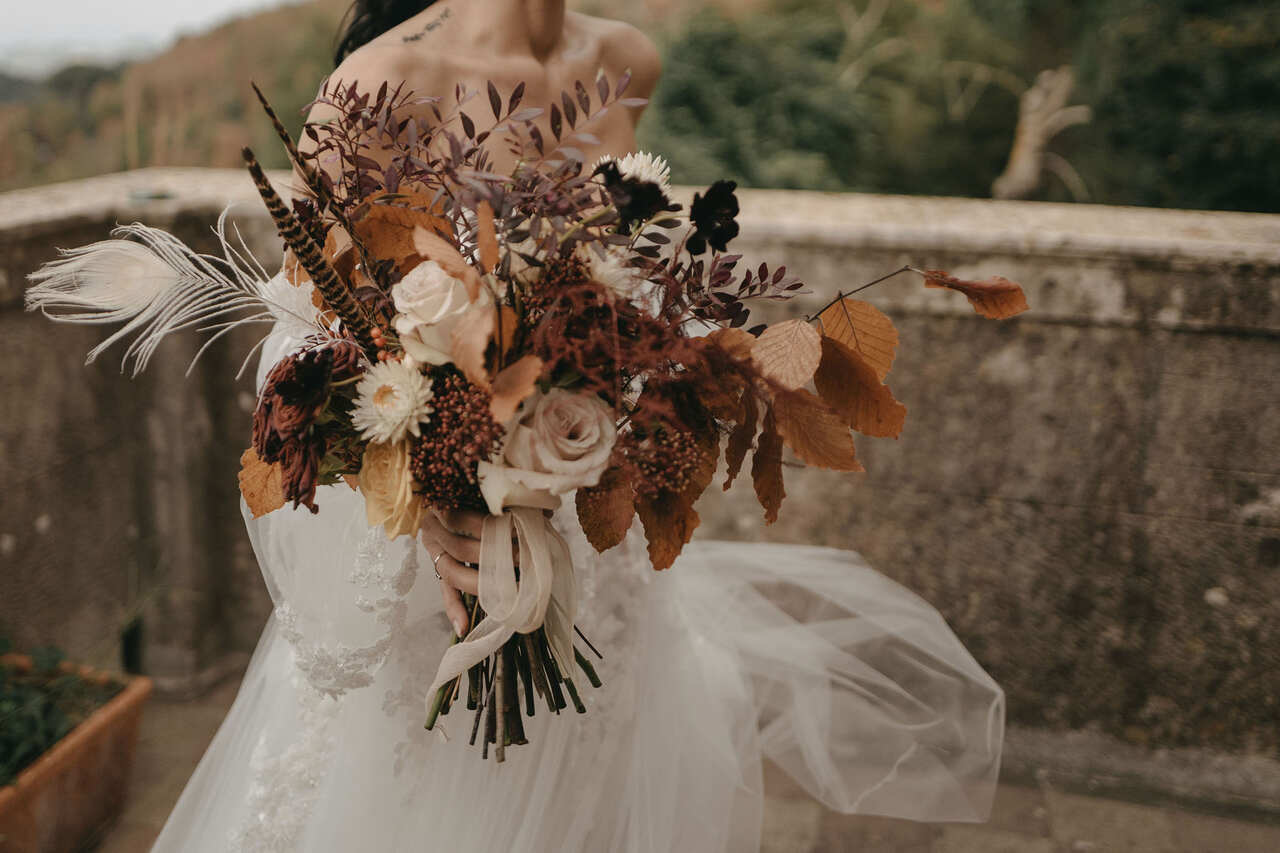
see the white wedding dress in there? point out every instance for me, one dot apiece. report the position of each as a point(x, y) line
point(740, 652)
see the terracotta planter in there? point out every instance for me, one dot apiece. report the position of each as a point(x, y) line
point(78, 787)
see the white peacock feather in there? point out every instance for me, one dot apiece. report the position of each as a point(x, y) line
point(156, 285)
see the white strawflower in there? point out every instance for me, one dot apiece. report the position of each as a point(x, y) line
point(643, 166)
point(612, 271)
point(391, 399)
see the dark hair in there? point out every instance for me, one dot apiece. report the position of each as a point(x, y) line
point(368, 19)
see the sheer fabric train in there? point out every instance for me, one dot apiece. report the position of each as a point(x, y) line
point(801, 655)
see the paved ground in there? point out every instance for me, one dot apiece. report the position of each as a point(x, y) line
point(1025, 819)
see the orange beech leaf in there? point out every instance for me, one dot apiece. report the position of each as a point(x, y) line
point(470, 339)
point(720, 394)
point(606, 509)
point(995, 297)
point(864, 329)
point(669, 518)
point(817, 434)
point(738, 343)
point(739, 443)
point(512, 385)
point(766, 468)
point(669, 523)
point(788, 353)
point(486, 236)
point(261, 484)
point(433, 247)
point(510, 324)
point(849, 385)
point(387, 232)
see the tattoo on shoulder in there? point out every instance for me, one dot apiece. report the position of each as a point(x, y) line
point(433, 24)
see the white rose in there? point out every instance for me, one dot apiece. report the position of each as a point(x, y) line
point(430, 302)
point(557, 442)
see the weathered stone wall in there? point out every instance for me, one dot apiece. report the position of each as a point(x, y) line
point(1090, 493)
point(120, 496)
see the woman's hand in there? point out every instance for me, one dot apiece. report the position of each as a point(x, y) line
point(453, 540)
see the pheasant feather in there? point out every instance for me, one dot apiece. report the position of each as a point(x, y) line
point(324, 198)
point(334, 290)
point(308, 172)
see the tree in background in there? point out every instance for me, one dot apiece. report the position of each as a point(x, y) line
point(896, 96)
point(829, 95)
point(921, 96)
point(1186, 95)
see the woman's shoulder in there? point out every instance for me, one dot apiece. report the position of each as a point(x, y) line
point(392, 61)
point(624, 47)
point(391, 57)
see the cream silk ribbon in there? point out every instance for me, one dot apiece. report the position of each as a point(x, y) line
point(545, 596)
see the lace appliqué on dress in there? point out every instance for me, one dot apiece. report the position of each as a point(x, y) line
point(334, 668)
point(286, 783)
point(286, 776)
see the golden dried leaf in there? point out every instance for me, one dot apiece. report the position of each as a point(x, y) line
point(606, 509)
point(788, 353)
point(433, 247)
point(736, 342)
point(486, 236)
point(470, 338)
point(766, 468)
point(816, 433)
point(669, 518)
point(864, 329)
point(741, 437)
point(261, 484)
point(850, 386)
point(512, 385)
point(995, 297)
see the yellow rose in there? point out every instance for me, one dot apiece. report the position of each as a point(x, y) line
point(387, 484)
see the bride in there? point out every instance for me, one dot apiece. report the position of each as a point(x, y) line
point(740, 653)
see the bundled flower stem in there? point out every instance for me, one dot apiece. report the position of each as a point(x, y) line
point(504, 689)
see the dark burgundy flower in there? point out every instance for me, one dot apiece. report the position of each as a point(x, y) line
point(348, 361)
point(294, 395)
point(299, 467)
point(636, 201)
point(302, 380)
point(713, 217)
point(266, 441)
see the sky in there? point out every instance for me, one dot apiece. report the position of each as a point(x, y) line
point(38, 35)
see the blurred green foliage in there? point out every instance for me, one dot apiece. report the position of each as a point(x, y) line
point(925, 99)
point(895, 96)
point(40, 705)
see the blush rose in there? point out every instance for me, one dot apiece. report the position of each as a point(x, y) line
point(557, 442)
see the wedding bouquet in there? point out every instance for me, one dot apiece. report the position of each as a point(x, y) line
point(500, 342)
